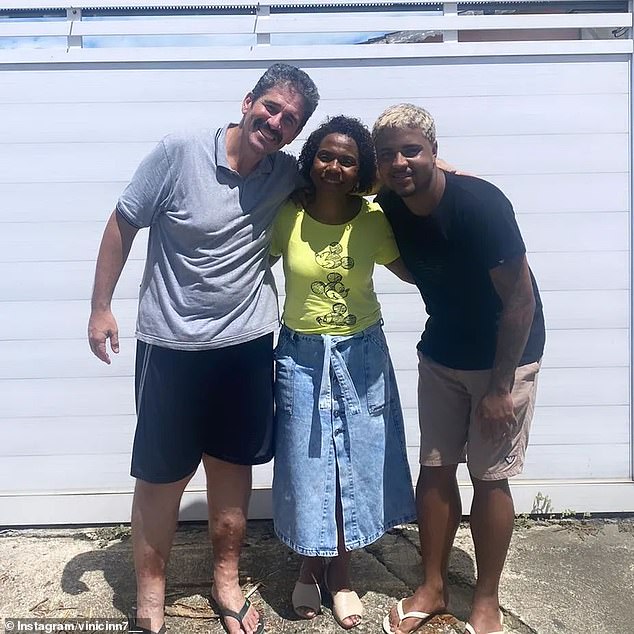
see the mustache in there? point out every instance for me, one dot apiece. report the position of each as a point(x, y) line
point(274, 133)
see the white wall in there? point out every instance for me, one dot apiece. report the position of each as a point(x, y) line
point(553, 133)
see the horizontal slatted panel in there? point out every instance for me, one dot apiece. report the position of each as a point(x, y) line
point(90, 474)
point(95, 162)
point(109, 472)
point(586, 310)
point(353, 22)
point(146, 122)
point(78, 396)
point(175, 25)
point(563, 425)
point(566, 193)
point(76, 241)
point(73, 280)
point(598, 496)
point(402, 82)
point(561, 463)
point(314, 22)
point(96, 434)
point(45, 436)
point(68, 149)
point(87, 201)
point(553, 233)
point(72, 358)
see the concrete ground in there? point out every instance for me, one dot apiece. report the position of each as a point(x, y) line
point(561, 576)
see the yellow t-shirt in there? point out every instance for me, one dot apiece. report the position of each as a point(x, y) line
point(328, 268)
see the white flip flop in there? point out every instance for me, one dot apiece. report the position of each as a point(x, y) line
point(423, 616)
point(468, 628)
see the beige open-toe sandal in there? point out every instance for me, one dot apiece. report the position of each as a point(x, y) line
point(345, 603)
point(306, 597)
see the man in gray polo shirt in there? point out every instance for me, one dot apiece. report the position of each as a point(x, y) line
point(207, 310)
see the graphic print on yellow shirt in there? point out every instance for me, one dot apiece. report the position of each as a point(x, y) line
point(328, 268)
point(333, 287)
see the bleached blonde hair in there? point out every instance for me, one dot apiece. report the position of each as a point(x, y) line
point(406, 115)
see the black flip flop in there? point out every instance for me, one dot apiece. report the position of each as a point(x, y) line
point(238, 616)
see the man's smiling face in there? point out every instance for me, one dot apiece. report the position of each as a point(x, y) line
point(406, 160)
point(273, 120)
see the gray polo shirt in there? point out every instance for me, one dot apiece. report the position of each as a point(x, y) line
point(207, 283)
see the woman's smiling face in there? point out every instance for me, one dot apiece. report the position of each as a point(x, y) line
point(336, 163)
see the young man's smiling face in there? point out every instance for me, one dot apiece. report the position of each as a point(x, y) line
point(272, 120)
point(406, 160)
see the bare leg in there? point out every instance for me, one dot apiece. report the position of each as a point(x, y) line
point(339, 568)
point(228, 492)
point(311, 567)
point(492, 515)
point(439, 510)
point(154, 518)
point(311, 571)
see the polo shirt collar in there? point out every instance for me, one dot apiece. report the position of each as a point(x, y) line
point(265, 166)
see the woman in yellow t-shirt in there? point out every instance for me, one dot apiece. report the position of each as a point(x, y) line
point(341, 477)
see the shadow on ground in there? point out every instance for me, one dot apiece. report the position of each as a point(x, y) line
point(382, 573)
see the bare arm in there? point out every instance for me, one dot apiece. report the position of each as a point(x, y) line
point(512, 283)
point(400, 270)
point(447, 167)
point(113, 253)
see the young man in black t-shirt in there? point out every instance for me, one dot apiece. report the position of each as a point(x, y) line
point(479, 356)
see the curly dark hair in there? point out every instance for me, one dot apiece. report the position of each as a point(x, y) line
point(358, 132)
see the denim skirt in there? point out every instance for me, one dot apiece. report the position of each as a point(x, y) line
point(338, 413)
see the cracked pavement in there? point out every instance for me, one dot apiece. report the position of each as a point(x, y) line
point(566, 576)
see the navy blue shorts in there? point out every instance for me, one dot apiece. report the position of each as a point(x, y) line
point(217, 402)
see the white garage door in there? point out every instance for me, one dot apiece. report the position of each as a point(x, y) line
point(553, 131)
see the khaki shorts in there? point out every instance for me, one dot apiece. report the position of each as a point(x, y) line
point(447, 400)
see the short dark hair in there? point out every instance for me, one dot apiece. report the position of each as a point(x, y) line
point(286, 75)
point(349, 127)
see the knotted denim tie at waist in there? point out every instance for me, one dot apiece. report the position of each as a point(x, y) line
point(333, 359)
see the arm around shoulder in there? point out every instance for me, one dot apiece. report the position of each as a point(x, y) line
point(113, 252)
point(401, 271)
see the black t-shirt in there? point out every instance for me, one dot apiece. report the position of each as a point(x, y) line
point(450, 253)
